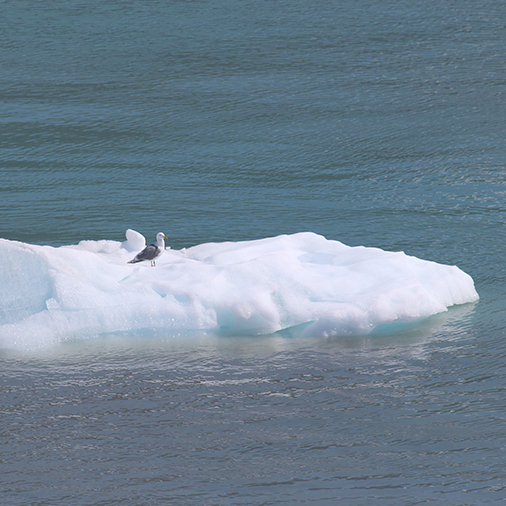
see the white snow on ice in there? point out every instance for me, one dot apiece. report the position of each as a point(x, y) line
point(49, 294)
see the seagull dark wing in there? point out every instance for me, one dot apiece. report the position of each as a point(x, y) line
point(148, 253)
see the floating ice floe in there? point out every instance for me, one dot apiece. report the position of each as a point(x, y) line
point(49, 294)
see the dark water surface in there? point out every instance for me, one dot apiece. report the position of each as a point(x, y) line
point(373, 123)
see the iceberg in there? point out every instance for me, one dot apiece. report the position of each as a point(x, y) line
point(49, 295)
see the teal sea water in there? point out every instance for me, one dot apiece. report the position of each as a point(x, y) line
point(372, 123)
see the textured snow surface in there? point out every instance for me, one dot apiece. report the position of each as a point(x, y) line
point(256, 287)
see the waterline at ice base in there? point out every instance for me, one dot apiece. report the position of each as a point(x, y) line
point(323, 287)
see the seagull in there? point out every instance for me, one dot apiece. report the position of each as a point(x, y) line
point(152, 251)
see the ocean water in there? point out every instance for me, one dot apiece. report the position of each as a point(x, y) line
point(372, 123)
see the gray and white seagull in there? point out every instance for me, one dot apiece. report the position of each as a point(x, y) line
point(152, 251)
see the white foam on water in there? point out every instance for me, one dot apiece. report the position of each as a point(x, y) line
point(49, 295)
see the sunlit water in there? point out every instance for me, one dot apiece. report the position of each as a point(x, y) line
point(372, 123)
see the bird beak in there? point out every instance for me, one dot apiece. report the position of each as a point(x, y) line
point(165, 237)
